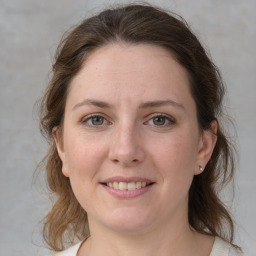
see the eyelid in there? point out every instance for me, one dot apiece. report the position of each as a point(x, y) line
point(88, 117)
point(84, 120)
point(171, 119)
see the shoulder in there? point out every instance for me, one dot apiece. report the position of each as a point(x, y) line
point(234, 252)
point(222, 248)
point(72, 251)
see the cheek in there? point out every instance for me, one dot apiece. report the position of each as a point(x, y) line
point(175, 158)
point(83, 155)
point(180, 150)
point(84, 159)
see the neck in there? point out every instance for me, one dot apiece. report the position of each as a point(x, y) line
point(178, 240)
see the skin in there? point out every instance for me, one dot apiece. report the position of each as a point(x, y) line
point(133, 137)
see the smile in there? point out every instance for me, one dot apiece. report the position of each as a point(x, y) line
point(127, 185)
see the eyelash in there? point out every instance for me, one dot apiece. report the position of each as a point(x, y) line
point(89, 118)
point(167, 118)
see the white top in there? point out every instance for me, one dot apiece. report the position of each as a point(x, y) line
point(220, 248)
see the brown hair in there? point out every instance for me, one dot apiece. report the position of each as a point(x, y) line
point(138, 24)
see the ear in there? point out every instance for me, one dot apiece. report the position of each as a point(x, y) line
point(56, 133)
point(206, 146)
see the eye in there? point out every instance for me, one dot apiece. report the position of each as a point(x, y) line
point(161, 120)
point(95, 120)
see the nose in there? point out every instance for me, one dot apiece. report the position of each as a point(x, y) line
point(126, 148)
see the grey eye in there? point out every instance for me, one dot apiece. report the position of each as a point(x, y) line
point(159, 120)
point(97, 120)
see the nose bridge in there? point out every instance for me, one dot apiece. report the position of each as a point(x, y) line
point(125, 145)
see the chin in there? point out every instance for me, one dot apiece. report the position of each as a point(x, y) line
point(129, 221)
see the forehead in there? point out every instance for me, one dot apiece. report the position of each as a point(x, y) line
point(121, 58)
point(131, 70)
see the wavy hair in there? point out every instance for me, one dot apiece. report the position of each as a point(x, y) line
point(138, 24)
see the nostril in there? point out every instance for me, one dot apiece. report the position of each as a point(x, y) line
point(125, 162)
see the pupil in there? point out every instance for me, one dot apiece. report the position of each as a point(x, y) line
point(97, 120)
point(159, 120)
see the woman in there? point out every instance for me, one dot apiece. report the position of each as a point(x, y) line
point(137, 150)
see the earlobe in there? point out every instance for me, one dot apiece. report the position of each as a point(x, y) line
point(60, 149)
point(206, 147)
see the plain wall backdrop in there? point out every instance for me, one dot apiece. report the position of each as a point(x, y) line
point(30, 31)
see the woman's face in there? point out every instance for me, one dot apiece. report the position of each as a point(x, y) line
point(131, 143)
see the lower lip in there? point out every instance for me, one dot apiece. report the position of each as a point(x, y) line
point(126, 194)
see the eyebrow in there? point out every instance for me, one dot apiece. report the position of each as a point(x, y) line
point(160, 103)
point(148, 104)
point(97, 103)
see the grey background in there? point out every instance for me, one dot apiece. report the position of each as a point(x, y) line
point(30, 31)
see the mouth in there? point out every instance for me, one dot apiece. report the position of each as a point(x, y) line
point(127, 187)
point(131, 185)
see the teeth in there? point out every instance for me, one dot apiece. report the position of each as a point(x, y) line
point(131, 186)
point(115, 185)
point(123, 185)
point(138, 185)
point(127, 185)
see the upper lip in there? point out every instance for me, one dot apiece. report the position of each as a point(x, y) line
point(127, 179)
